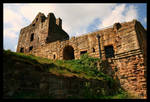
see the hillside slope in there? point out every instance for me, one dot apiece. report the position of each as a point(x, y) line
point(34, 77)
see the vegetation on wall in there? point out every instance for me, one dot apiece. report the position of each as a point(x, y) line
point(85, 67)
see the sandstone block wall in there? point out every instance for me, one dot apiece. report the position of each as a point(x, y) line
point(132, 74)
point(42, 30)
point(123, 40)
point(128, 50)
point(127, 42)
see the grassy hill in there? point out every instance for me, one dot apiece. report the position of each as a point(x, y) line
point(83, 68)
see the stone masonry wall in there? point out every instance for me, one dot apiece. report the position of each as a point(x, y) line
point(131, 73)
point(44, 30)
point(128, 40)
point(122, 40)
point(128, 57)
point(40, 33)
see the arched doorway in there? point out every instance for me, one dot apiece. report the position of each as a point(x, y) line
point(68, 53)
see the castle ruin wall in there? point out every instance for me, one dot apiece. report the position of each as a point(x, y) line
point(123, 45)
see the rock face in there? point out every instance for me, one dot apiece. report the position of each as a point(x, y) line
point(123, 45)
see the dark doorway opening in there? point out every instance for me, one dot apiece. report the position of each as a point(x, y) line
point(68, 53)
point(109, 51)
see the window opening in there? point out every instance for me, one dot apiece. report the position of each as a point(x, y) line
point(33, 24)
point(32, 37)
point(93, 49)
point(42, 19)
point(109, 51)
point(30, 48)
point(36, 19)
point(54, 57)
point(117, 26)
point(83, 52)
point(21, 49)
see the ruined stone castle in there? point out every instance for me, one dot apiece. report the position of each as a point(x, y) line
point(123, 45)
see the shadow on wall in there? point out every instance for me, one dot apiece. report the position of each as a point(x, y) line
point(106, 68)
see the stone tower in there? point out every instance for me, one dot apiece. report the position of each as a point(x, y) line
point(41, 31)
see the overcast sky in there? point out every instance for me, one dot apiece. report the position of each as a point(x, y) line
point(77, 19)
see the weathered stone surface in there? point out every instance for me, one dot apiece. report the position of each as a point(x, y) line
point(128, 40)
point(134, 74)
point(41, 31)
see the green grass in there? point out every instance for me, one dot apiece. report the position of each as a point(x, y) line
point(22, 56)
point(85, 67)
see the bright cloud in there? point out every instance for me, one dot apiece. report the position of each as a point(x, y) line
point(12, 18)
point(12, 23)
point(74, 16)
point(77, 19)
point(115, 16)
point(131, 13)
point(120, 13)
point(10, 33)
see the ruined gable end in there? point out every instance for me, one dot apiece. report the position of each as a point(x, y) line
point(41, 31)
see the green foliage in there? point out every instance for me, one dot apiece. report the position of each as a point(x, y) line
point(85, 67)
point(30, 58)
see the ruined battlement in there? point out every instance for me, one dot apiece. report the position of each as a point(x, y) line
point(41, 31)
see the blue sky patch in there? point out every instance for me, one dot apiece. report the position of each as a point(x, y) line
point(94, 25)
